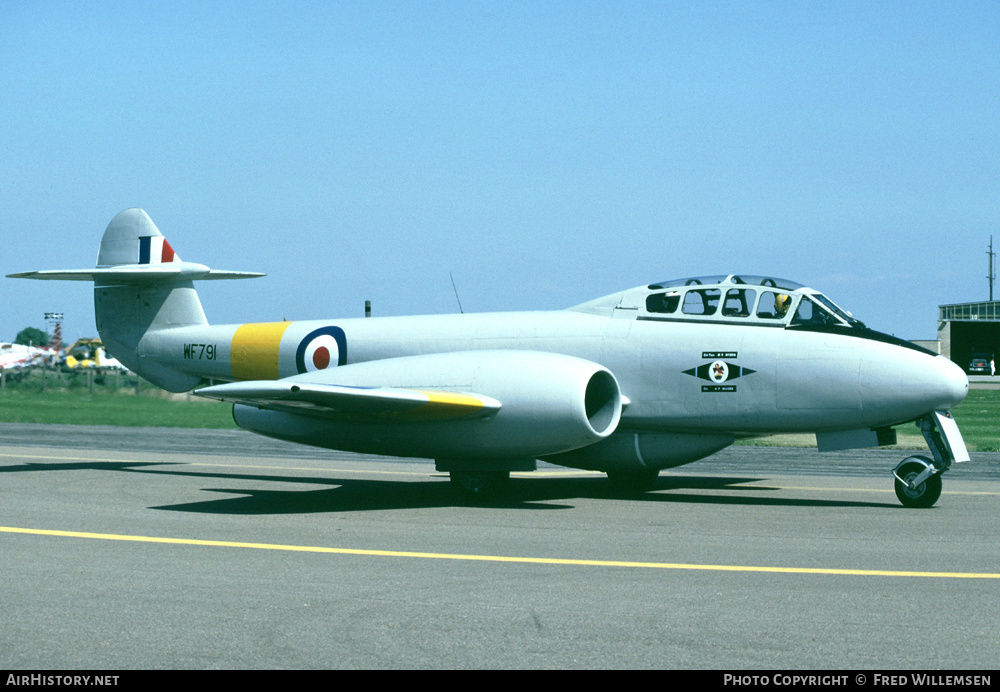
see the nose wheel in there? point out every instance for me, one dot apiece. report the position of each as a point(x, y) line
point(918, 482)
point(918, 479)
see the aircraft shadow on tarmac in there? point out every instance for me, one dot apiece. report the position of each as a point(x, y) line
point(356, 495)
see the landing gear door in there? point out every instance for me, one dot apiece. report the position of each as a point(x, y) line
point(951, 435)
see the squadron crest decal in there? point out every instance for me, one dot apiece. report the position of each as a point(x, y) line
point(720, 372)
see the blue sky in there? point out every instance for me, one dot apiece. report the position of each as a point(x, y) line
point(544, 153)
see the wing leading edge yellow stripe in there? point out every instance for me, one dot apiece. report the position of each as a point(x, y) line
point(442, 405)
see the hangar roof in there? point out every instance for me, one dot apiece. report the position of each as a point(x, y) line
point(988, 311)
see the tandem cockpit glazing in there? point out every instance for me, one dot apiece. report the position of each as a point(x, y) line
point(747, 299)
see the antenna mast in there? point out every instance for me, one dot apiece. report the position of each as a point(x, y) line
point(992, 275)
point(463, 311)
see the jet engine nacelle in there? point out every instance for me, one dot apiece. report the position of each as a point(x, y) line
point(627, 450)
point(549, 403)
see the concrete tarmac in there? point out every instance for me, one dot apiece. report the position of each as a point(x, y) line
point(166, 548)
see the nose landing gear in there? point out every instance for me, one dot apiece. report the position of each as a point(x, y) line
point(918, 479)
point(918, 482)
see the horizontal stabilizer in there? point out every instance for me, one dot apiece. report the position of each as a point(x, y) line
point(134, 252)
point(394, 403)
point(137, 274)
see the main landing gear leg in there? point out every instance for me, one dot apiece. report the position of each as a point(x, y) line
point(918, 479)
point(482, 478)
point(479, 484)
point(633, 480)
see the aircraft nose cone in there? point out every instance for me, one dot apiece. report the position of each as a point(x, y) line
point(899, 384)
point(952, 383)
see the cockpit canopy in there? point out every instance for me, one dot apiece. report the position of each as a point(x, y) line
point(731, 279)
point(743, 298)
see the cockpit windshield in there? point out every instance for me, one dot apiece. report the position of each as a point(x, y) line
point(810, 312)
point(832, 307)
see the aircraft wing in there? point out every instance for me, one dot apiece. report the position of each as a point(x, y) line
point(341, 401)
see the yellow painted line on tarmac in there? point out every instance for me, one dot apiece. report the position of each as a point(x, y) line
point(502, 558)
point(65, 458)
point(544, 473)
point(860, 490)
point(241, 466)
point(430, 472)
point(314, 469)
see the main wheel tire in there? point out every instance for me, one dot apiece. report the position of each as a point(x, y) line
point(632, 480)
point(925, 494)
point(479, 483)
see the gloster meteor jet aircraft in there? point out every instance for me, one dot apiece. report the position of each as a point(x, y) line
point(629, 384)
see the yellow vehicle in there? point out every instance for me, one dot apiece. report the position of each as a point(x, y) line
point(90, 353)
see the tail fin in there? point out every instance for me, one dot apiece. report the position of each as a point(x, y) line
point(141, 286)
point(133, 238)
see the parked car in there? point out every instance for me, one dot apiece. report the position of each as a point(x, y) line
point(981, 364)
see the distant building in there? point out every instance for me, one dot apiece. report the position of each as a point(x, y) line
point(966, 329)
point(930, 344)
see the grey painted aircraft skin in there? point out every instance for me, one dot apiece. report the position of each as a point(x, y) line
point(646, 379)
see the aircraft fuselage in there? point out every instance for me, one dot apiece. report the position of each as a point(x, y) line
point(677, 376)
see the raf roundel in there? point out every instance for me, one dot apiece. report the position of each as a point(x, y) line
point(320, 349)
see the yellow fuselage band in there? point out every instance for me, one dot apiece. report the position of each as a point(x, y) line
point(255, 350)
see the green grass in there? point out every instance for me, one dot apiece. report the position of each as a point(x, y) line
point(978, 419)
point(104, 408)
point(77, 398)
